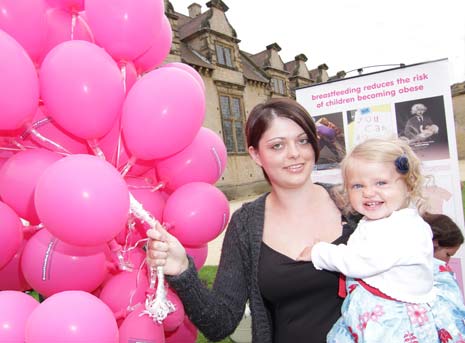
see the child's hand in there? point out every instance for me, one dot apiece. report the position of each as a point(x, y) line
point(306, 254)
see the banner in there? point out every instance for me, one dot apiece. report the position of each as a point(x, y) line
point(413, 102)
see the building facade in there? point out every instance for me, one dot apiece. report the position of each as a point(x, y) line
point(235, 81)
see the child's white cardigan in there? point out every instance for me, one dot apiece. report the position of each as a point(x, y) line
point(393, 254)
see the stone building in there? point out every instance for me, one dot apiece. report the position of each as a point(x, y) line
point(235, 82)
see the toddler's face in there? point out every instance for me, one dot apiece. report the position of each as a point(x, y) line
point(375, 189)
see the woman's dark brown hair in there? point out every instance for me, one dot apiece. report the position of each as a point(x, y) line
point(445, 232)
point(262, 115)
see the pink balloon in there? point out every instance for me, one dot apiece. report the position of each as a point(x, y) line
point(196, 213)
point(15, 308)
point(199, 254)
point(63, 26)
point(18, 179)
point(203, 160)
point(160, 48)
point(25, 21)
point(19, 86)
point(187, 68)
point(11, 234)
point(156, 121)
point(114, 147)
point(70, 5)
point(82, 88)
point(176, 318)
point(51, 266)
point(140, 328)
point(11, 275)
point(186, 333)
point(53, 137)
point(4, 156)
point(82, 200)
point(125, 28)
point(125, 289)
point(72, 316)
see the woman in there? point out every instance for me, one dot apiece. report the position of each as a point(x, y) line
point(264, 258)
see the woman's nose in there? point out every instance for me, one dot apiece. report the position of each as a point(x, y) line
point(293, 151)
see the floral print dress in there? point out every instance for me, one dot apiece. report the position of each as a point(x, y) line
point(369, 318)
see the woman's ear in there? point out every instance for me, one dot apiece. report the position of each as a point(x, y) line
point(435, 243)
point(254, 155)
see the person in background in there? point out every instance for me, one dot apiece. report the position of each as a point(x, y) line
point(447, 236)
point(449, 306)
point(267, 242)
point(388, 260)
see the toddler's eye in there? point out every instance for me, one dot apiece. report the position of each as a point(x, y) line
point(381, 183)
point(356, 186)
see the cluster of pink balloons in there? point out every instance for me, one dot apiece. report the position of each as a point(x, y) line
point(90, 119)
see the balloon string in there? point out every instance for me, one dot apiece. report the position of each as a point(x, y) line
point(46, 140)
point(96, 148)
point(156, 306)
point(124, 75)
point(128, 166)
point(87, 27)
point(155, 188)
point(73, 24)
point(118, 146)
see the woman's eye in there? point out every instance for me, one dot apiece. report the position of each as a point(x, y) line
point(303, 141)
point(276, 146)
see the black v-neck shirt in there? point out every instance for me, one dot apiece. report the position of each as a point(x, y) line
point(303, 301)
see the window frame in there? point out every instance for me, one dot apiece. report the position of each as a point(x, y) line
point(231, 118)
point(220, 49)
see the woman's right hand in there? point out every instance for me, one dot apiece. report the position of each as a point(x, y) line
point(165, 250)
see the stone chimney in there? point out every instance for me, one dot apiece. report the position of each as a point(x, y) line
point(194, 10)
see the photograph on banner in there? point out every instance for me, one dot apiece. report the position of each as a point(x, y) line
point(423, 123)
point(369, 122)
point(331, 141)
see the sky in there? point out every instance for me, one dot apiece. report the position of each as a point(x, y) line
point(351, 34)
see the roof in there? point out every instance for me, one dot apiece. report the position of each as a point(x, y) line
point(190, 56)
point(250, 70)
point(260, 58)
point(187, 25)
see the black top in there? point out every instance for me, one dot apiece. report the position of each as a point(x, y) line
point(303, 301)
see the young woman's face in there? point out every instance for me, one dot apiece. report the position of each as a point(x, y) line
point(444, 253)
point(285, 153)
point(375, 189)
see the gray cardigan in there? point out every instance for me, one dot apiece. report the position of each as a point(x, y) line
point(217, 312)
